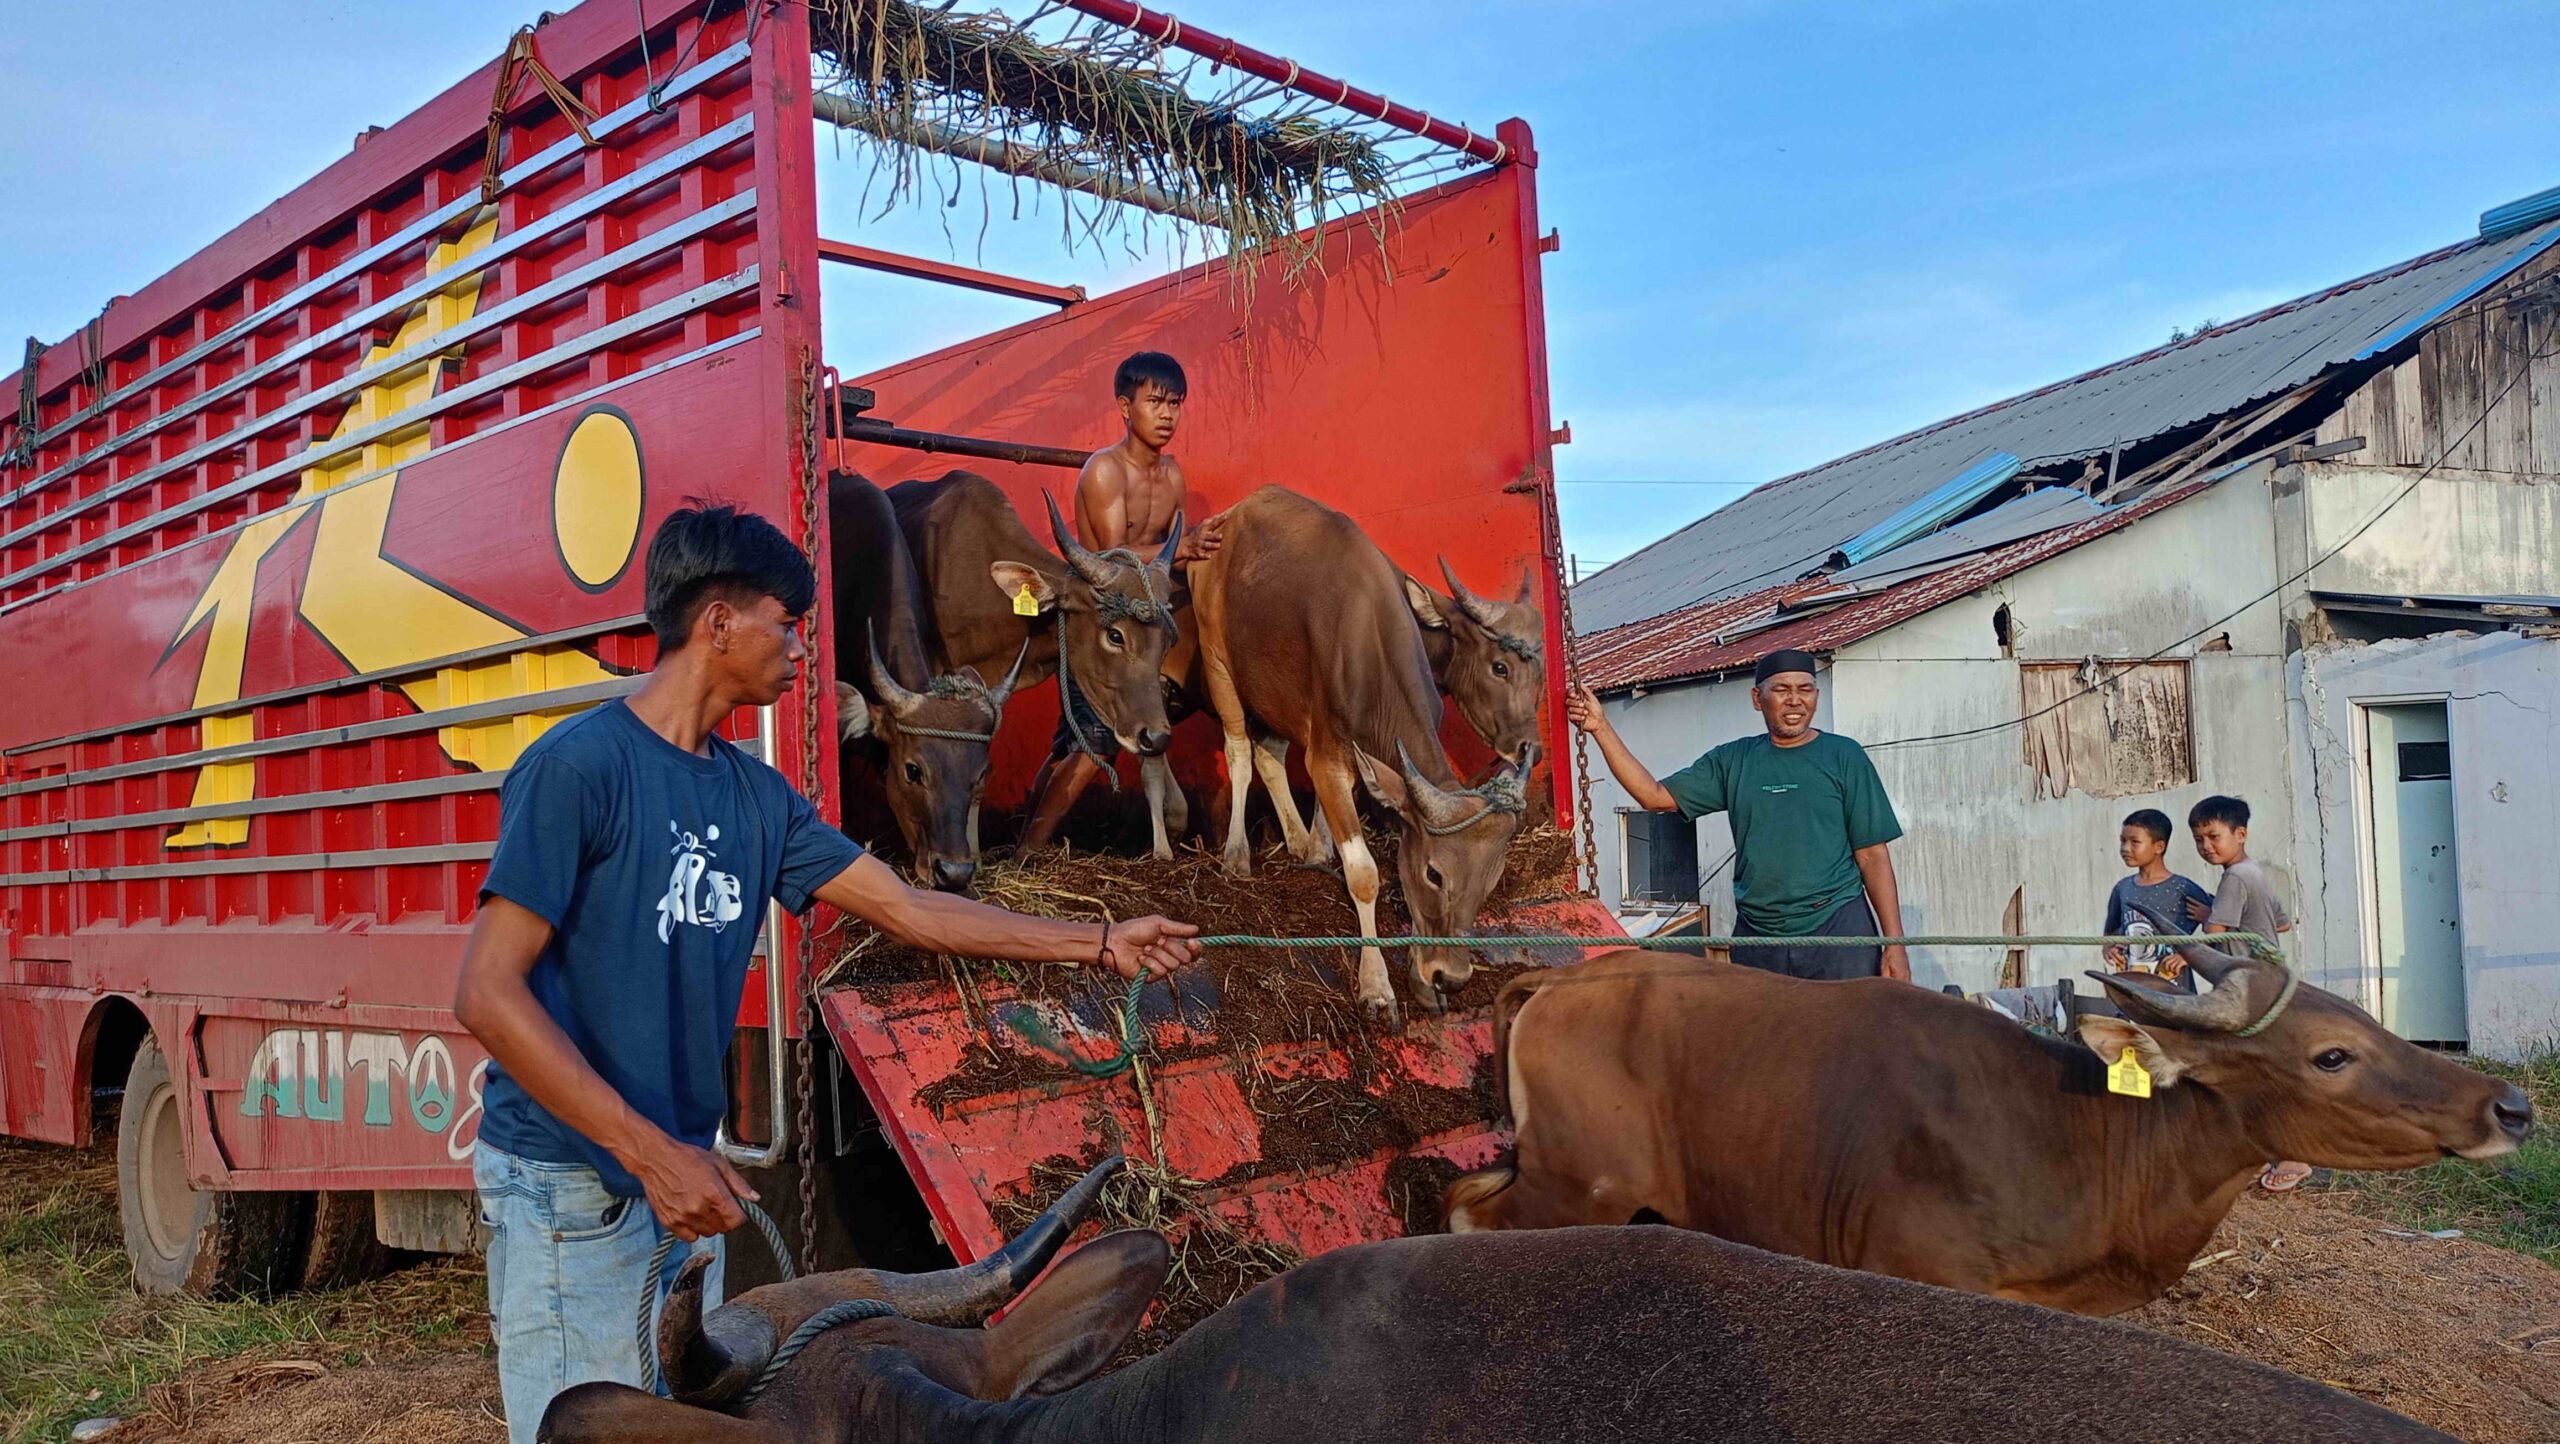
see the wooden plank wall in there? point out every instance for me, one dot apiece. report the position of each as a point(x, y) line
point(2424, 407)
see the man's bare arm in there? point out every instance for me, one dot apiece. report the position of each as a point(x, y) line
point(693, 1191)
point(1102, 502)
point(1582, 705)
point(1884, 894)
point(943, 923)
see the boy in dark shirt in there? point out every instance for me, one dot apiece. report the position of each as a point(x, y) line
point(2143, 843)
point(637, 854)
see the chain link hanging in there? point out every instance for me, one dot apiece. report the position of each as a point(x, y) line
point(805, 987)
point(1551, 535)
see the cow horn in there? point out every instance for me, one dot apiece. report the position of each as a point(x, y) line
point(709, 1361)
point(1438, 808)
point(1172, 541)
point(1088, 566)
point(1004, 689)
point(963, 1297)
point(1478, 610)
point(2212, 962)
point(2224, 1010)
point(900, 700)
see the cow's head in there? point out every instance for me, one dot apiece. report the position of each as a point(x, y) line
point(930, 1345)
point(1118, 611)
point(1495, 668)
point(2313, 1076)
point(1449, 855)
point(934, 767)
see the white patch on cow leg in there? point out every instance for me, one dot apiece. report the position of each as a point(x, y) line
point(1320, 847)
point(1237, 858)
point(1360, 873)
point(1158, 776)
point(1271, 762)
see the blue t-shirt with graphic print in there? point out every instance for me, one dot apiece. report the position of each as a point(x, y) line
point(653, 866)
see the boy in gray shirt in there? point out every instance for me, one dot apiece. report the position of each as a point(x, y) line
point(2248, 901)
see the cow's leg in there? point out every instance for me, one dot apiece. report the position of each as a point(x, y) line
point(1164, 797)
point(1236, 858)
point(1360, 875)
point(1320, 842)
point(1271, 761)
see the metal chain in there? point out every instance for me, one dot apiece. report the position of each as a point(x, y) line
point(804, 1059)
point(1551, 529)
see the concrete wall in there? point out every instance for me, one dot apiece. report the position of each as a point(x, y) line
point(1976, 829)
point(2502, 696)
point(2460, 534)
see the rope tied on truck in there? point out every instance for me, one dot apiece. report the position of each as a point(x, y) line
point(1037, 1033)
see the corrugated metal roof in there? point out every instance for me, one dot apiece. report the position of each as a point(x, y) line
point(1724, 635)
point(2040, 510)
point(1779, 531)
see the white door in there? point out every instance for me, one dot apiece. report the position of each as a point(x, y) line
point(2417, 897)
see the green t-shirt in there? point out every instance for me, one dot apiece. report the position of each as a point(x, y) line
point(1798, 814)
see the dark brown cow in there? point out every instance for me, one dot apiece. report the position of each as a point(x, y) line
point(1113, 609)
point(1490, 657)
point(929, 743)
point(1572, 1336)
point(1878, 1126)
point(1305, 630)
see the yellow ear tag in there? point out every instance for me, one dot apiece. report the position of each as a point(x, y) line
point(1024, 604)
point(2127, 1076)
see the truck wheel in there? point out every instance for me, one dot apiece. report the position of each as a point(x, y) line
point(181, 1239)
point(344, 1250)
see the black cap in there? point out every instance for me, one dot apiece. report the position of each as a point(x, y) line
point(1785, 659)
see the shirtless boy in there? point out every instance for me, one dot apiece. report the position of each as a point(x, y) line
point(1126, 496)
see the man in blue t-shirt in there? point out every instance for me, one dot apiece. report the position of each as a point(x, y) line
point(637, 852)
point(1811, 827)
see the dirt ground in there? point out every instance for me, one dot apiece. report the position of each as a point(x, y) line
point(2454, 1333)
point(2451, 1332)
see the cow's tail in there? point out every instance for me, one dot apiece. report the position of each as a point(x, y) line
point(1506, 1006)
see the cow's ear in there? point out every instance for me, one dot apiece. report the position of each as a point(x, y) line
point(1385, 783)
point(1425, 605)
point(1014, 578)
point(2109, 1037)
point(853, 713)
point(1069, 1325)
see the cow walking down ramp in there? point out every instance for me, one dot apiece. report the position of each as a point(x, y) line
point(928, 746)
point(1877, 1126)
point(1600, 1334)
point(1336, 666)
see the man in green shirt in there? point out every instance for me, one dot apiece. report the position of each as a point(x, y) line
point(1811, 826)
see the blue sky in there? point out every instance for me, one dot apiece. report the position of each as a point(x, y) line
point(1791, 230)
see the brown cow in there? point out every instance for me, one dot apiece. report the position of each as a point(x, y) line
point(927, 744)
point(1489, 656)
point(1111, 610)
point(1878, 1126)
point(1305, 631)
point(1571, 1336)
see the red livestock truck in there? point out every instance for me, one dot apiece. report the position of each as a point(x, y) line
point(303, 542)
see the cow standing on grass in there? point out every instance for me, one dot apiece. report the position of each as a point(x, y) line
point(1305, 632)
point(929, 743)
point(1592, 1334)
point(1877, 1126)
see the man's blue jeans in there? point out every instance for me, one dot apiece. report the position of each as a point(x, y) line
point(566, 1265)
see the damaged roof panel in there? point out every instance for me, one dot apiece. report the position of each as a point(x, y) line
point(1779, 531)
point(1705, 639)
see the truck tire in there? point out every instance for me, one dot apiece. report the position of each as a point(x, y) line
point(344, 1249)
point(183, 1240)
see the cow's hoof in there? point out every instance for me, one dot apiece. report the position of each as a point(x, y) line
point(1163, 851)
point(1236, 862)
point(1383, 1014)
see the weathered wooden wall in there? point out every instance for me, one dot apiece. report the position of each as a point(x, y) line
point(2502, 351)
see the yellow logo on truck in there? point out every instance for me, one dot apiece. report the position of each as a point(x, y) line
point(372, 612)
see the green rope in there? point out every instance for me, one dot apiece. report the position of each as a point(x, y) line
point(1247, 940)
point(1035, 1031)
